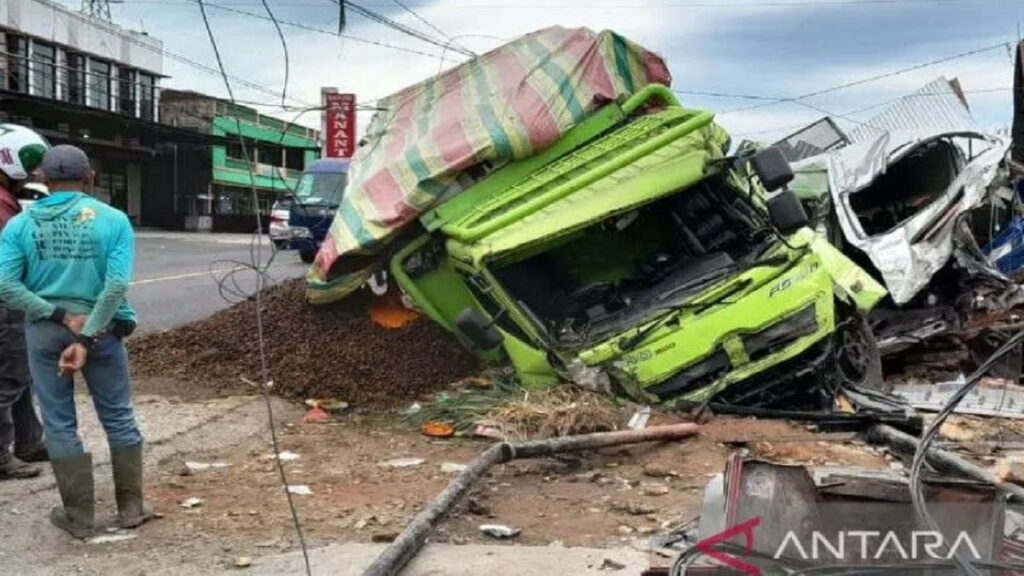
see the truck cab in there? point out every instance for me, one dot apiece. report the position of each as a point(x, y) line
point(316, 199)
point(635, 256)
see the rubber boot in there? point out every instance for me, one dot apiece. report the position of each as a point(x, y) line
point(126, 462)
point(75, 483)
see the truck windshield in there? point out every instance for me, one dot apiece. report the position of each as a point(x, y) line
point(321, 188)
point(622, 270)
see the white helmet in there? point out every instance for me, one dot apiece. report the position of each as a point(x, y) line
point(21, 151)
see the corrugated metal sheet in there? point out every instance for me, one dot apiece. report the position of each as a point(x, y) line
point(938, 106)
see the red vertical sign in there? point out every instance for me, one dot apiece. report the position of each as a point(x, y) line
point(340, 125)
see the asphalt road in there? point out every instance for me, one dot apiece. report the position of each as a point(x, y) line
point(174, 279)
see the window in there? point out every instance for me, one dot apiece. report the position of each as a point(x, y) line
point(268, 154)
point(99, 84)
point(17, 64)
point(75, 86)
point(294, 158)
point(237, 201)
point(235, 152)
point(44, 60)
point(126, 91)
point(145, 86)
point(321, 188)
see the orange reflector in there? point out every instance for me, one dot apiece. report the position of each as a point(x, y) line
point(389, 312)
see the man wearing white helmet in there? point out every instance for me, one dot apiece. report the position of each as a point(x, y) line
point(21, 151)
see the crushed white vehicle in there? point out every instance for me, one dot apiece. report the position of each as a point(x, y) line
point(900, 195)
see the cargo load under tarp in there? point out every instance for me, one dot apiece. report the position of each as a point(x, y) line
point(436, 138)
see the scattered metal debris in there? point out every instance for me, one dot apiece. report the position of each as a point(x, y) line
point(452, 467)
point(196, 467)
point(285, 456)
point(401, 463)
point(112, 538)
point(499, 531)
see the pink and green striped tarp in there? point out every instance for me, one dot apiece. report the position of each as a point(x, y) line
point(508, 104)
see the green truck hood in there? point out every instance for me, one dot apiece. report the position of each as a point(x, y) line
point(632, 167)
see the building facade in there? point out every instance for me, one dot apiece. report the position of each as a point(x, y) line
point(256, 152)
point(80, 80)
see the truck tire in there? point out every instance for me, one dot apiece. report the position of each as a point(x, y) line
point(857, 359)
point(307, 256)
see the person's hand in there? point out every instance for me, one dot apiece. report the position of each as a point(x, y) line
point(72, 359)
point(74, 323)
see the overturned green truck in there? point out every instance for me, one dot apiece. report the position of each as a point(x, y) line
point(597, 231)
point(634, 256)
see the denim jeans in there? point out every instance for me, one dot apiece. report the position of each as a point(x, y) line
point(106, 375)
point(18, 421)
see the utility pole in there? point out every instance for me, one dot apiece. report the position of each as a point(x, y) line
point(99, 9)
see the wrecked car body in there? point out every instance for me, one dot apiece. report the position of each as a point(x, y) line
point(898, 197)
point(635, 258)
point(905, 199)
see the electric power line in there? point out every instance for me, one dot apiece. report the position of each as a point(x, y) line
point(177, 57)
point(256, 265)
point(869, 79)
point(284, 48)
point(416, 15)
point(869, 107)
point(384, 20)
point(618, 5)
point(299, 25)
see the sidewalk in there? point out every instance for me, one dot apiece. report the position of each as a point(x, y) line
point(216, 237)
point(469, 560)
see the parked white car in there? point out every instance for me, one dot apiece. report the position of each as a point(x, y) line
point(279, 230)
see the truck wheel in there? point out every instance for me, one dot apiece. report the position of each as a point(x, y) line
point(307, 256)
point(857, 359)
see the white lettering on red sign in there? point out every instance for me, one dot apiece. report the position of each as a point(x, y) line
point(340, 129)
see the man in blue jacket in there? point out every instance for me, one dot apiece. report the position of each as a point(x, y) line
point(66, 262)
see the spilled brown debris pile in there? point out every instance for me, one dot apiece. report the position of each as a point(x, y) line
point(326, 352)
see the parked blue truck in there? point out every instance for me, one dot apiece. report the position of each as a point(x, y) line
point(317, 196)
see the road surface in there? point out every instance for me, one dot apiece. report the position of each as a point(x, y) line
point(174, 279)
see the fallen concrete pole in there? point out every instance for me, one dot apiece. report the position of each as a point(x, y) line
point(940, 459)
point(395, 557)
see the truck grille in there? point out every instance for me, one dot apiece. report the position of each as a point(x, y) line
point(694, 377)
point(779, 335)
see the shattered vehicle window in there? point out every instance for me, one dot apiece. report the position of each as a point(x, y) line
point(907, 187)
point(626, 267)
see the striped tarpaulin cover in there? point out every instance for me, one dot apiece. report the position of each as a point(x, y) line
point(508, 104)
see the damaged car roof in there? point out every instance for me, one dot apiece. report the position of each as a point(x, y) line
point(910, 249)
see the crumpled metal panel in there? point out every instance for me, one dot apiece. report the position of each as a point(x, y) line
point(907, 266)
point(937, 106)
point(1003, 402)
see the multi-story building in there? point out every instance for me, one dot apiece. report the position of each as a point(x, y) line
point(270, 162)
point(85, 81)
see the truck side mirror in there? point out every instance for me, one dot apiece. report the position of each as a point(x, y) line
point(772, 169)
point(478, 330)
point(787, 213)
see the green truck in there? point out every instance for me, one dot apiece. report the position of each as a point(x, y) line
point(636, 256)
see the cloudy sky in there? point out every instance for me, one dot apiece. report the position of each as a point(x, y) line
point(753, 48)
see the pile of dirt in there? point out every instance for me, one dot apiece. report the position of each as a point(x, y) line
point(333, 351)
